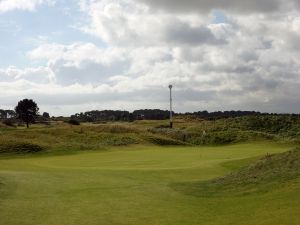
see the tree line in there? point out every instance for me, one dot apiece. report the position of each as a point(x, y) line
point(230, 114)
point(157, 114)
point(28, 112)
point(7, 114)
point(118, 115)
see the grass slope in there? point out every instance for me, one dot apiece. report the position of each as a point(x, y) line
point(277, 170)
point(134, 186)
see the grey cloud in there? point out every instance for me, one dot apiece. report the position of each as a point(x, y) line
point(278, 104)
point(297, 3)
point(88, 73)
point(208, 5)
point(292, 41)
point(257, 83)
point(248, 56)
point(242, 69)
point(60, 99)
point(182, 33)
point(194, 95)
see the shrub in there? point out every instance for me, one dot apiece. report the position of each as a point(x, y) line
point(20, 147)
point(163, 126)
point(9, 122)
point(74, 122)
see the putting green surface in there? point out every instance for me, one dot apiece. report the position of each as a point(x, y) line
point(133, 186)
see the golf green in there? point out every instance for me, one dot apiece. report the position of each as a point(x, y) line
point(134, 186)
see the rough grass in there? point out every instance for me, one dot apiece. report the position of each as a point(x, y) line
point(67, 138)
point(115, 128)
point(261, 176)
point(163, 141)
point(120, 141)
point(62, 136)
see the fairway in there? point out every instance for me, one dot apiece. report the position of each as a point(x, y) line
point(134, 186)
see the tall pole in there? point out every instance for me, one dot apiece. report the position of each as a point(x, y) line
point(171, 108)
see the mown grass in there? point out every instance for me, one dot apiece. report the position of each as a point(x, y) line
point(134, 185)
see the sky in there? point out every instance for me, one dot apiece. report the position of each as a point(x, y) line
point(78, 55)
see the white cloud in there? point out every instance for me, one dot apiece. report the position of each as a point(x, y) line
point(76, 53)
point(27, 5)
point(82, 62)
point(39, 75)
point(127, 23)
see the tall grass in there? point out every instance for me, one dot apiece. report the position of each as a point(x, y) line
point(66, 137)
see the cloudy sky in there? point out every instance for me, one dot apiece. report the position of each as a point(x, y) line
point(79, 55)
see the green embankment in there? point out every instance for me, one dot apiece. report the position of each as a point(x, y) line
point(261, 176)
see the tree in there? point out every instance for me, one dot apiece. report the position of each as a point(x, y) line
point(46, 115)
point(3, 114)
point(10, 114)
point(27, 110)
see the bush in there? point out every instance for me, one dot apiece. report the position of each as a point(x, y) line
point(166, 126)
point(74, 122)
point(9, 122)
point(20, 147)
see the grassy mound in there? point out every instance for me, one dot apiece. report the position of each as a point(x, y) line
point(20, 147)
point(270, 171)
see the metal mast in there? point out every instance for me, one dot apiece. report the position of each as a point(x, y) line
point(171, 107)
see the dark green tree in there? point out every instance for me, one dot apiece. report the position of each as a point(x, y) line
point(46, 115)
point(27, 110)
